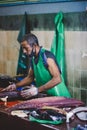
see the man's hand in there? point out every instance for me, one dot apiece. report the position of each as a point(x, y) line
point(9, 88)
point(29, 91)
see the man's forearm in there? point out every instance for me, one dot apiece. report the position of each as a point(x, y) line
point(25, 81)
point(49, 84)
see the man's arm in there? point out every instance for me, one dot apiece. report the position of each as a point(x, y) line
point(27, 80)
point(54, 71)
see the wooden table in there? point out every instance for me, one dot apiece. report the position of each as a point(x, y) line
point(9, 122)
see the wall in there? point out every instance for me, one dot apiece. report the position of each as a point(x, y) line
point(43, 8)
point(8, 52)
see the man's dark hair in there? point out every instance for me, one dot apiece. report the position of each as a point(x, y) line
point(30, 38)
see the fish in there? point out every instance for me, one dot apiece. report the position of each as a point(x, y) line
point(50, 115)
point(55, 101)
point(11, 95)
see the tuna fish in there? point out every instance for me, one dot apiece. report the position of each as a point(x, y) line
point(55, 101)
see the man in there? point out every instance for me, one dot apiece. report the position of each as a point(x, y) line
point(44, 70)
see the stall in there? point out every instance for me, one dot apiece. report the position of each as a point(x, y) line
point(16, 121)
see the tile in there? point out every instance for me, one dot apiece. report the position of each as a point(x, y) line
point(84, 96)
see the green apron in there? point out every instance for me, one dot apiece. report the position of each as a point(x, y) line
point(42, 76)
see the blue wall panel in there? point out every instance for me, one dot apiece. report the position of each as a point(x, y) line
point(44, 8)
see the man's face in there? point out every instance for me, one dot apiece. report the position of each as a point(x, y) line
point(27, 49)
